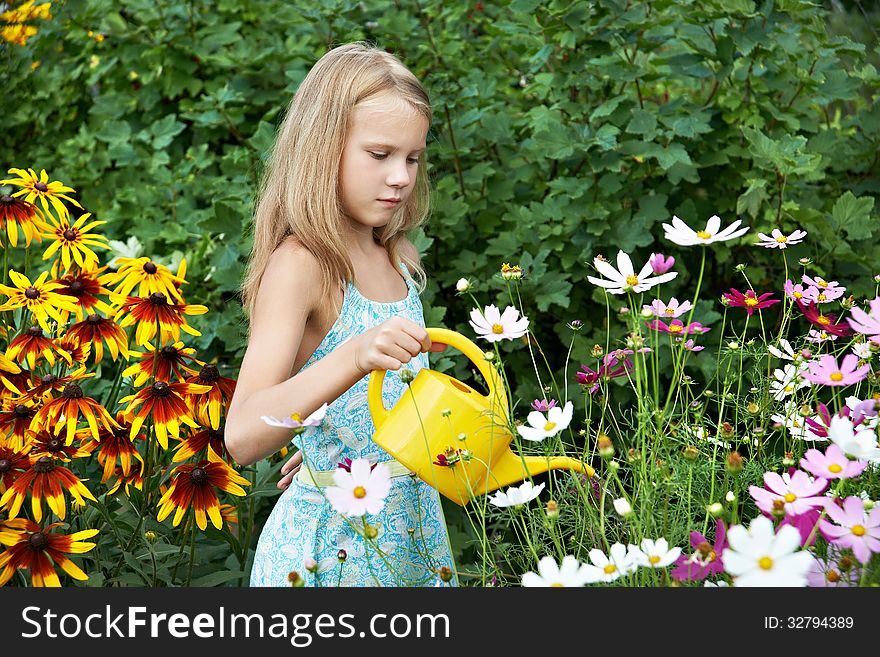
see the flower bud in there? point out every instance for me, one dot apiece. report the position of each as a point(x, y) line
point(877, 278)
point(605, 446)
point(296, 581)
point(597, 351)
point(647, 313)
point(445, 412)
point(445, 573)
point(311, 565)
point(621, 505)
point(734, 462)
point(805, 262)
point(150, 536)
point(726, 430)
point(552, 509)
point(715, 509)
point(613, 465)
point(623, 310)
point(740, 267)
point(576, 325)
point(869, 504)
point(406, 375)
point(489, 355)
point(342, 555)
point(632, 454)
point(691, 453)
point(463, 285)
point(848, 302)
point(511, 272)
point(788, 459)
point(778, 508)
point(730, 497)
point(753, 408)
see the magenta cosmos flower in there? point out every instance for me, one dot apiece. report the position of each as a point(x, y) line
point(793, 495)
point(749, 300)
point(868, 324)
point(824, 321)
point(833, 464)
point(855, 529)
point(610, 368)
point(829, 373)
point(706, 558)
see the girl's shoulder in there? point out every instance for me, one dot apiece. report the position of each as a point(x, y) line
point(410, 254)
point(292, 270)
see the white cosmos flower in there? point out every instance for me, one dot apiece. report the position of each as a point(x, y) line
point(495, 326)
point(862, 350)
point(857, 443)
point(787, 381)
point(609, 568)
point(653, 554)
point(294, 421)
point(624, 278)
point(517, 495)
point(363, 490)
point(542, 426)
point(777, 240)
point(797, 426)
point(680, 233)
point(758, 556)
point(667, 311)
point(786, 353)
point(569, 573)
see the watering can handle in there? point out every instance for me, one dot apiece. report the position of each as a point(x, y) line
point(443, 336)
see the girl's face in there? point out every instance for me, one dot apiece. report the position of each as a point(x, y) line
point(380, 160)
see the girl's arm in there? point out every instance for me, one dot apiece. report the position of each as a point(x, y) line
point(286, 297)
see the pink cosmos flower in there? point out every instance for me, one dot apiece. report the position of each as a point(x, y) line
point(749, 300)
point(855, 529)
point(828, 372)
point(673, 309)
point(829, 287)
point(777, 240)
point(706, 559)
point(660, 264)
point(823, 295)
point(677, 327)
point(542, 405)
point(833, 464)
point(795, 494)
point(794, 292)
point(868, 324)
point(690, 346)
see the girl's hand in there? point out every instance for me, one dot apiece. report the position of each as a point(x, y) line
point(390, 345)
point(289, 469)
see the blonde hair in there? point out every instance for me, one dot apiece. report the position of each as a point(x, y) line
point(299, 193)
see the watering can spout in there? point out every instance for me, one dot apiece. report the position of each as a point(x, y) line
point(513, 469)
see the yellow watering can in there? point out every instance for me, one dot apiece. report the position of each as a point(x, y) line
point(464, 449)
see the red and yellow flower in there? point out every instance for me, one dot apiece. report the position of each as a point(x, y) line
point(15, 422)
point(32, 347)
point(43, 443)
point(40, 298)
point(198, 442)
point(8, 368)
point(65, 411)
point(117, 445)
point(72, 350)
point(194, 485)
point(39, 550)
point(98, 330)
point(133, 478)
point(14, 459)
point(15, 214)
point(85, 287)
point(147, 276)
point(169, 360)
point(165, 402)
point(75, 242)
point(154, 314)
point(45, 478)
point(209, 406)
point(38, 188)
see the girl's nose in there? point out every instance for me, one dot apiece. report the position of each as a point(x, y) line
point(398, 174)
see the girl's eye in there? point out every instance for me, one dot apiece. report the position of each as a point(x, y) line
point(412, 160)
point(378, 156)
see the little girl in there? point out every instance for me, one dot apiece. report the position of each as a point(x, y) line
point(330, 295)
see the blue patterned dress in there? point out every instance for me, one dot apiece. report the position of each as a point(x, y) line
point(412, 542)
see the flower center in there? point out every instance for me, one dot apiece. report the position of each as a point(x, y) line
point(765, 563)
point(832, 576)
point(790, 497)
point(557, 585)
point(43, 465)
point(549, 426)
point(797, 295)
point(835, 468)
point(653, 559)
point(46, 379)
point(703, 235)
point(821, 282)
point(93, 319)
point(632, 280)
point(169, 353)
point(497, 329)
point(858, 530)
point(209, 373)
point(72, 391)
point(751, 301)
point(41, 187)
point(610, 568)
point(32, 293)
point(836, 376)
point(150, 268)
point(360, 492)
point(54, 445)
point(821, 297)
point(70, 235)
point(6, 198)
point(158, 298)
point(823, 320)
point(296, 417)
point(782, 239)
point(22, 411)
point(675, 328)
point(669, 311)
point(161, 389)
point(76, 288)
point(5, 465)
point(38, 541)
point(198, 476)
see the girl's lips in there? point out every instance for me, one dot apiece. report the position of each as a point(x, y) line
point(389, 203)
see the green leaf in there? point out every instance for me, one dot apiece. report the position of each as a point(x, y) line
point(751, 199)
point(853, 215)
point(642, 123)
point(165, 130)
